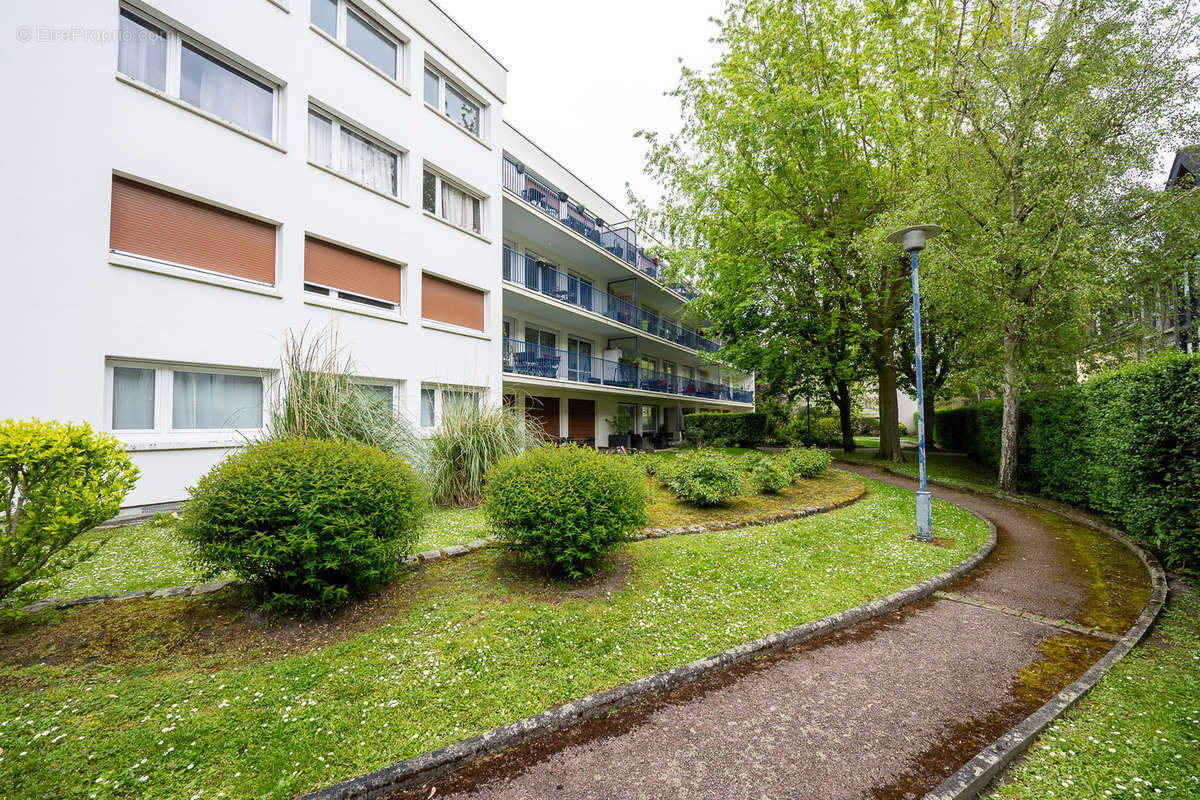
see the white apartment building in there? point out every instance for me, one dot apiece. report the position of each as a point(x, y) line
point(185, 183)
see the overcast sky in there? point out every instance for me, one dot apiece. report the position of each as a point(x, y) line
point(583, 77)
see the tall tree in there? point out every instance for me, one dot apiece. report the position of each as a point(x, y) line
point(1061, 106)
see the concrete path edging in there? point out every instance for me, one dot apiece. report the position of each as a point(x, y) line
point(420, 769)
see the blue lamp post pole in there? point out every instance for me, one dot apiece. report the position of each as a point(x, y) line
point(913, 241)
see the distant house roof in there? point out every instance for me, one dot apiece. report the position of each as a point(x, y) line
point(1187, 162)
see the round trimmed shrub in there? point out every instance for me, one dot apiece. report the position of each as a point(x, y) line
point(307, 523)
point(564, 507)
point(703, 477)
point(769, 474)
point(806, 462)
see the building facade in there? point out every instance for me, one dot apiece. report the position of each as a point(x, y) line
point(196, 180)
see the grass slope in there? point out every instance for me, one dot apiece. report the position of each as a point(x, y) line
point(953, 468)
point(195, 697)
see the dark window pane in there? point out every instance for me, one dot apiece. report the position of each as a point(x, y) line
point(142, 53)
point(431, 87)
point(226, 92)
point(463, 111)
point(429, 193)
point(364, 39)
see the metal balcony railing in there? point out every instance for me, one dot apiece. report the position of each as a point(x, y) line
point(539, 276)
point(621, 240)
point(539, 361)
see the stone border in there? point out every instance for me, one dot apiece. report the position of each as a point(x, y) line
point(450, 551)
point(977, 774)
point(420, 769)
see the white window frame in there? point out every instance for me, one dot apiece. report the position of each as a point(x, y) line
point(164, 432)
point(339, 121)
point(441, 179)
point(175, 41)
point(440, 109)
point(381, 27)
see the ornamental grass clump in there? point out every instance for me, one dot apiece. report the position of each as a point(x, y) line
point(307, 523)
point(769, 474)
point(562, 508)
point(58, 481)
point(703, 477)
point(806, 462)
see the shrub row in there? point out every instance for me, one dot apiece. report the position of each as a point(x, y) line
point(1125, 444)
point(718, 430)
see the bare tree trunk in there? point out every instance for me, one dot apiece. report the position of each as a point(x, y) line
point(883, 354)
point(842, 400)
point(1006, 481)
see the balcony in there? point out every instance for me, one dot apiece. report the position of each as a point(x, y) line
point(538, 361)
point(541, 277)
point(621, 241)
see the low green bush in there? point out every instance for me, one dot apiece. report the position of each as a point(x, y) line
point(806, 462)
point(564, 507)
point(769, 474)
point(714, 429)
point(903, 428)
point(826, 432)
point(59, 480)
point(703, 477)
point(307, 523)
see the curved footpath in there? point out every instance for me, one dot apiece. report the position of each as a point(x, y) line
point(884, 709)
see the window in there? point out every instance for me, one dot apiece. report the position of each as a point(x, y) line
point(165, 60)
point(155, 224)
point(148, 398)
point(452, 100)
point(626, 411)
point(428, 399)
point(336, 271)
point(454, 398)
point(382, 393)
point(451, 202)
point(335, 145)
point(649, 419)
point(452, 303)
point(360, 34)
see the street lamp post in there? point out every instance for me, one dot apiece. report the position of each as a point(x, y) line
point(913, 239)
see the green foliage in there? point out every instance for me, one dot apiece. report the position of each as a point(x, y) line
point(58, 480)
point(564, 507)
point(472, 437)
point(902, 428)
point(770, 474)
point(954, 429)
point(703, 477)
point(1126, 444)
point(645, 462)
point(308, 523)
point(826, 432)
point(806, 462)
point(712, 428)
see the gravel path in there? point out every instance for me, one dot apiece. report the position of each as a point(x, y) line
point(885, 709)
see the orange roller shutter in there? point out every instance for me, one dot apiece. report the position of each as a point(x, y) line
point(150, 222)
point(348, 271)
point(446, 301)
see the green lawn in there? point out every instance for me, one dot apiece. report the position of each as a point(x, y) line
point(947, 467)
point(1137, 733)
point(165, 698)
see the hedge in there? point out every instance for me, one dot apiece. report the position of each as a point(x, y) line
point(711, 428)
point(1125, 444)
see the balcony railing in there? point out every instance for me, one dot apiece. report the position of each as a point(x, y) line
point(539, 361)
point(621, 241)
point(541, 277)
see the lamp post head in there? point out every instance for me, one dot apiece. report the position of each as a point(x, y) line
point(914, 237)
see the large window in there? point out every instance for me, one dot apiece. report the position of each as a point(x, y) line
point(360, 34)
point(449, 98)
point(336, 271)
point(451, 202)
point(154, 54)
point(428, 406)
point(338, 146)
point(451, 303)
point(147, 398)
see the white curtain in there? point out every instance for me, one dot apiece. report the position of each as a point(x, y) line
point(227, 93)
point(320, 140)
point(460, 208)
point(133, 399)
point(367, 163)
point(142, 53)
point(203, 400)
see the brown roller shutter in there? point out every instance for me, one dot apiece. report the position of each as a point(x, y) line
point(445, 301)
point(544, 411)
point(581, 419)
point(348, 271)
point(156, 224)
